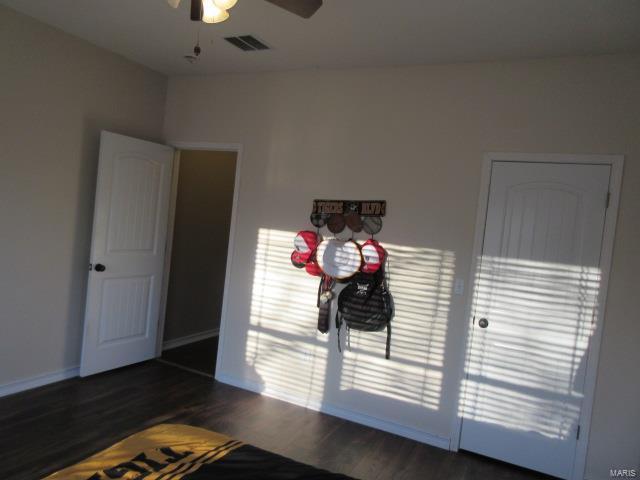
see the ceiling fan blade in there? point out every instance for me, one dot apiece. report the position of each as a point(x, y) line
point(196, 10)
point(302, 8)
point(174, 3)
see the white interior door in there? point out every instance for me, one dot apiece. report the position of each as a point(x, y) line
point(535, 303)
point(127, 253)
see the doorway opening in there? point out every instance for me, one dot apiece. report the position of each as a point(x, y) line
point(196, 259)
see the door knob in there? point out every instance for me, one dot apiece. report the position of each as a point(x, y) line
point(483, 323)
point(99, 267)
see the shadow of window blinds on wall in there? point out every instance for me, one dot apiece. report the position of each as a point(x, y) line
point(290, 356)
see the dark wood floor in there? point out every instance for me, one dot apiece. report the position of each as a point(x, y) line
point(199, 356)
point(46, 429)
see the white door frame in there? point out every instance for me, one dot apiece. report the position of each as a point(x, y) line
point(615, 181)
point(217, 147)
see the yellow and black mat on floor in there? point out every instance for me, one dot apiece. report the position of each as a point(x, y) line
point(182, 452)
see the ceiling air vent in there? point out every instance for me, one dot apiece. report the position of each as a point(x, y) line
point(248, 43)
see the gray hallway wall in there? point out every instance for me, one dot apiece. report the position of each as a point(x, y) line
point(200, 240)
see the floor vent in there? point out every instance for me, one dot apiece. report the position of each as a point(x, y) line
point(248, 43)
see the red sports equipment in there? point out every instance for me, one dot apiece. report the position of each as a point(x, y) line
point(296, 260)
point(305, 243)
point(373, 256)
point(312, 268)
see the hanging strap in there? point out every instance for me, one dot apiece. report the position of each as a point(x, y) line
point(320, 290)
point(324, 317)
point(324, 309)
point(338, 325)
point(388, 352)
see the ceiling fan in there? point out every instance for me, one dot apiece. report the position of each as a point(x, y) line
point(215, 11)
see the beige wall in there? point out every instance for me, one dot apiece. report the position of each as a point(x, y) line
point(200, 241)
point(56, 93)
point(415, 137)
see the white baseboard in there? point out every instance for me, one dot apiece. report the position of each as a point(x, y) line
point(187, 339)
point(52, 377)
point(38, 381)
point(363, 419)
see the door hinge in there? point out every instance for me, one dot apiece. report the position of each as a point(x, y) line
point(578, 433)
point(90, 266)
point(608, 200)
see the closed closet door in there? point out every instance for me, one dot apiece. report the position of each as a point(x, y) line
point(535, 304)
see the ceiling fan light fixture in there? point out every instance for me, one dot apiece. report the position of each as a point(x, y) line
point(212, 13)
point(225, 4)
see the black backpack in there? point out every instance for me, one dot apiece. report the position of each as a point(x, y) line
point(365, 304)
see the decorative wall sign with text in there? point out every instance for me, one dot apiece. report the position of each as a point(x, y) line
point(364, 208)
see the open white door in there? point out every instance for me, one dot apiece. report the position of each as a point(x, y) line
point(127, 253)
point(537, 296)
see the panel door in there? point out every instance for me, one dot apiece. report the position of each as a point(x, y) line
point(535, 304)
point(127, 253)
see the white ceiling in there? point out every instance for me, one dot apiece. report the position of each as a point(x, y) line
point(348, 33)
